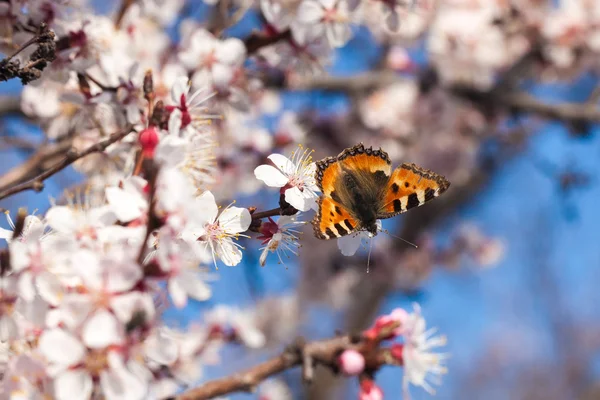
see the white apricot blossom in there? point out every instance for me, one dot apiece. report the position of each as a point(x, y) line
point(216, 231)
point(296, 177)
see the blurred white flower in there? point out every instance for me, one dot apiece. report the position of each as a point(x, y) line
point(274, 389)
point(215, 61)
point(9, 329)
point(280, 237)
point(329, 18)
point(128, 201)
point(242, 323)
point(421, 365)
point(296, 177)
point(76, 369)
point(33, 227)
point(216, 231)
point(189, 150)
point(30, 265)
point(180, 263)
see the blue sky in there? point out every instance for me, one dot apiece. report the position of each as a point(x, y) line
point(548, 234)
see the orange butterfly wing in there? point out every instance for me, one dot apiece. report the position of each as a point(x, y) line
point(334, 218)
point(410, 186)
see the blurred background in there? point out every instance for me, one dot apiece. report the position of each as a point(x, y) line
point(504, 103)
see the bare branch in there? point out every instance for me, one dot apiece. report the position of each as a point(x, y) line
point(515, 101)
point(37, 183)
point(125, 4)
point(258, 40)
point(323, 353)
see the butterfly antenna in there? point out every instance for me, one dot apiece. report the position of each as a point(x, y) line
point(369, 256)
point(398, 237)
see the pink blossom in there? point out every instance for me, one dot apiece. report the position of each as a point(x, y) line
point(351, 362)
point(369, 390)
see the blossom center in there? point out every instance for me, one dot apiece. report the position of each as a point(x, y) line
point(215, 231)
point(96, 361)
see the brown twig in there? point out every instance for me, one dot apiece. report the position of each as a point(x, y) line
point(320, 353)
point(514, 101)
point(37, 183)
point(125, 4)
point(258, 40)
point(34, 165)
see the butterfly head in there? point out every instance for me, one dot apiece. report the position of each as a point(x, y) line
point(372, 229)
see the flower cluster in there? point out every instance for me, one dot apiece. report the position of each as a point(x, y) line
point(415, 351)
point(82, 287)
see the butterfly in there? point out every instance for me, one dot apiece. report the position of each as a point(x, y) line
point(359, 187)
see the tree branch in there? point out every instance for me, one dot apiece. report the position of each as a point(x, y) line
point(37, 183)
point(515, 101)
point(324, 353)
point(258, 40)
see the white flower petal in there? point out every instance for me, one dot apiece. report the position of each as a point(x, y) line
point(161, 348)
point(228, 253)
point(271, 176)
point(222, 75)
point(8, 328)
point(73, 385)
point(349, 244)
point(338, 34)
point(263, 256)
point(300, 200)
point(62, 219)
point(231, 51)
point(122, 277)
point(19, 256)
point(125, 205)
point(26, 286)
point(179, 88)
point(50, 288)
point(235, 219)
point(177, 293)
point(284, 164)
point(89, 268)
point(174, 126)
point(102, 330)
point(6, 234)
point(125, 306)
point(60, 347)
point(120, 384)
point(206, 207)
point(310, 12)
point(194, 286)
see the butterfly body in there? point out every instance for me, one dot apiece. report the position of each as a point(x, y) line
point(359, 187)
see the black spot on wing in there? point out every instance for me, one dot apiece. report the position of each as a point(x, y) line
point(340, 229)
point(380, 178)
point(429, 194)
point(395, 188)
point(337, 210)
point(331, 213)
point(348, 224)
point(413, 201)
point(397, 206)
point(335, 197)
point(406, 184)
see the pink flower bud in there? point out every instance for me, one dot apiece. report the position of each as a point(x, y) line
point(369, 390)
point(148, 139)
point(397, 352)
point(351, 362)
point(397, 316)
